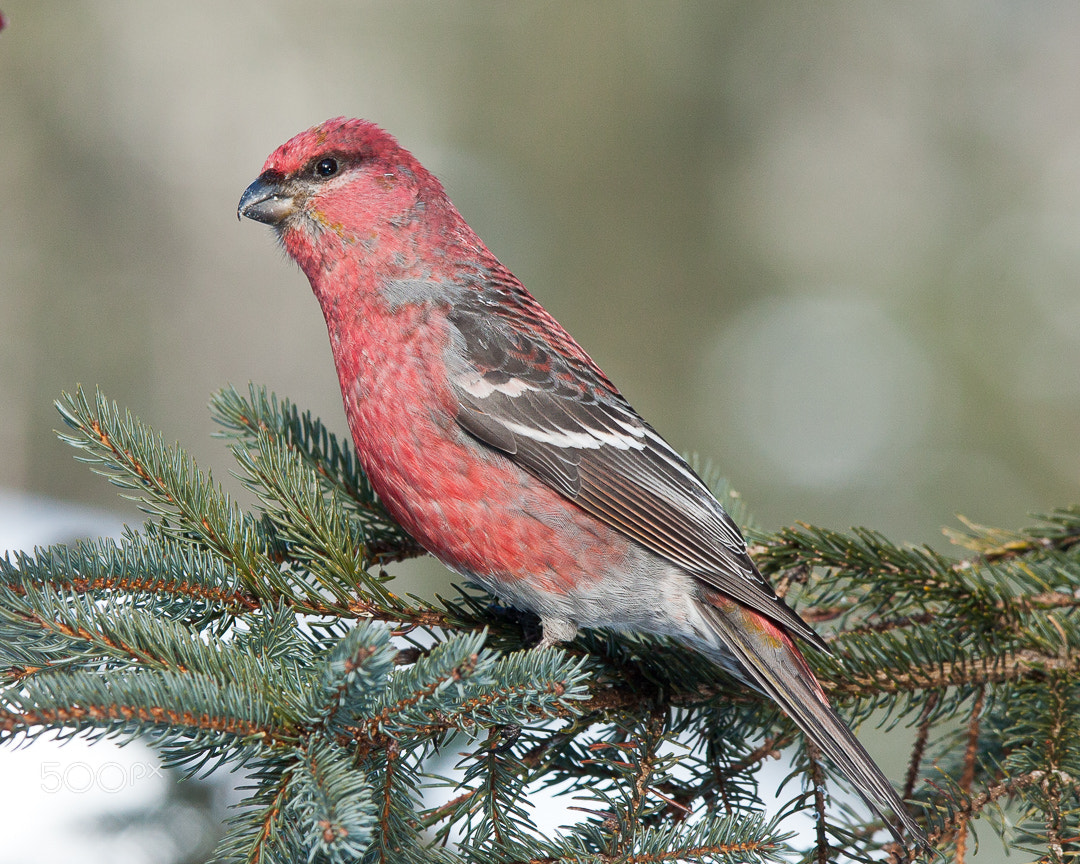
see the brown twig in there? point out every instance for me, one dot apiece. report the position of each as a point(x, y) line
point(918, 749)
point(967, 779)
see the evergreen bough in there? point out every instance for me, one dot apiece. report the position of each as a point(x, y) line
point(271, 641)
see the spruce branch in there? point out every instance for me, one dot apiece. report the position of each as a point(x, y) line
point(263, 418)
point(307, 520)
point(272, 639)
point(334, 805)
point(165, 483)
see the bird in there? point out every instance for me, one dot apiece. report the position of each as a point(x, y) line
point(501, 447)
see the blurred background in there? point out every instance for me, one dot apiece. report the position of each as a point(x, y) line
point(834, 248)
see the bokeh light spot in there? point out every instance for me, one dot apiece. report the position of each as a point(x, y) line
point(826, 388)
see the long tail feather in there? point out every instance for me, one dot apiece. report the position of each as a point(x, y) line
point(772, 664)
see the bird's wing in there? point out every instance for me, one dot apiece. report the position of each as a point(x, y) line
point(525, 388)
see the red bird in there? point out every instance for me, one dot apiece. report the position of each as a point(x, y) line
point(498, 443)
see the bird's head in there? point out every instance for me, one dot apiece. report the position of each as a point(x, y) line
point(343, 183)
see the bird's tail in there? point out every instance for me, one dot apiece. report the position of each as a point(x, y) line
point(772, 664)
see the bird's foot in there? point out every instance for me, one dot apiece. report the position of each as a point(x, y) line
point(556, 630)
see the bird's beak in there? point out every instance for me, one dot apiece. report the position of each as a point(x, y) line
point(266, 200)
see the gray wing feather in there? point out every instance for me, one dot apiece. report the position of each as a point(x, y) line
point(564, 422)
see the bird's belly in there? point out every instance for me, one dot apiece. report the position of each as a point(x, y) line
point(484, 516)
point(497, 525)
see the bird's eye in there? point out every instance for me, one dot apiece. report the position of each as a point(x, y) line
point(326, 167)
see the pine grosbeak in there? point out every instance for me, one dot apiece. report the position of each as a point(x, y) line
point(496, 441)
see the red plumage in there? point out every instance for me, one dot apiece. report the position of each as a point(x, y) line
point(497, 442)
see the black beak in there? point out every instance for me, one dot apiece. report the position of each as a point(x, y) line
point(266, 200)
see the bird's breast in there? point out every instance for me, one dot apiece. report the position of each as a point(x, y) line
point(467, 504)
